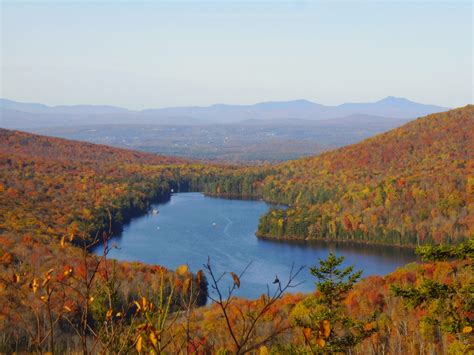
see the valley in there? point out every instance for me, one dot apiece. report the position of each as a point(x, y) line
point(224, 230)
point(236, 177)
point(60, 199)
point(264, 132)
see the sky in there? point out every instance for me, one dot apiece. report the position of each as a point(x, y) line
point(158, 54)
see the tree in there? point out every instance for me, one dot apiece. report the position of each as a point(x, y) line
point(448, 305)
point(326, 325)
point(242, 323)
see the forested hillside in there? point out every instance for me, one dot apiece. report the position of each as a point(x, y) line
point(410, 186)
point(434, 317)
point(58, 198)
point(413, 185)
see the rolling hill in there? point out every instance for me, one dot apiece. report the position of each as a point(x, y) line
point(412, 185)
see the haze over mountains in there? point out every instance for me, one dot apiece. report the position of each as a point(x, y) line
point(27, 115)
point(269, 131)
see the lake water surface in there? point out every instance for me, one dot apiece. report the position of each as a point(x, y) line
point(191, 227)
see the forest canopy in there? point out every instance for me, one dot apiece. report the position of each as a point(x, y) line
point(411, 186)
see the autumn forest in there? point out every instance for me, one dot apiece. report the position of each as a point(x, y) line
point(411, 187)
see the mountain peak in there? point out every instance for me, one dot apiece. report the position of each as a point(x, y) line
point(394, 99)
point(300, 103)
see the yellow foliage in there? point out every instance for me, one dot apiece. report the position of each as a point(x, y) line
point(153, 339)
point(321, 342)
point(326, 328)
point(138, 345)
point(467, 329)
point(182, 269)
point(109, 313)
point(34, 285)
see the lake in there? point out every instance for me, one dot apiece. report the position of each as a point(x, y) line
point(192, 227)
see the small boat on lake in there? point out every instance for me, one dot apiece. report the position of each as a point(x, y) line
point(155, 211)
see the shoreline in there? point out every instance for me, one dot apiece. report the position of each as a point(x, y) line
point(166, 197)
point(329, 241)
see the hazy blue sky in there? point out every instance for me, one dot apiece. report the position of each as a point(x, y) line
point(155, 54)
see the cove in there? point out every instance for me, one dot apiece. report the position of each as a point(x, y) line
point(191, 227)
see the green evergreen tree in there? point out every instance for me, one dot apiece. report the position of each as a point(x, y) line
point(327, 327)
point(448, 306)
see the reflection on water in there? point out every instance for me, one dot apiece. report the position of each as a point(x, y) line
point(192, 227)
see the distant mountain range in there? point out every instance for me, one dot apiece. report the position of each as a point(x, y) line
point(20, 115)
